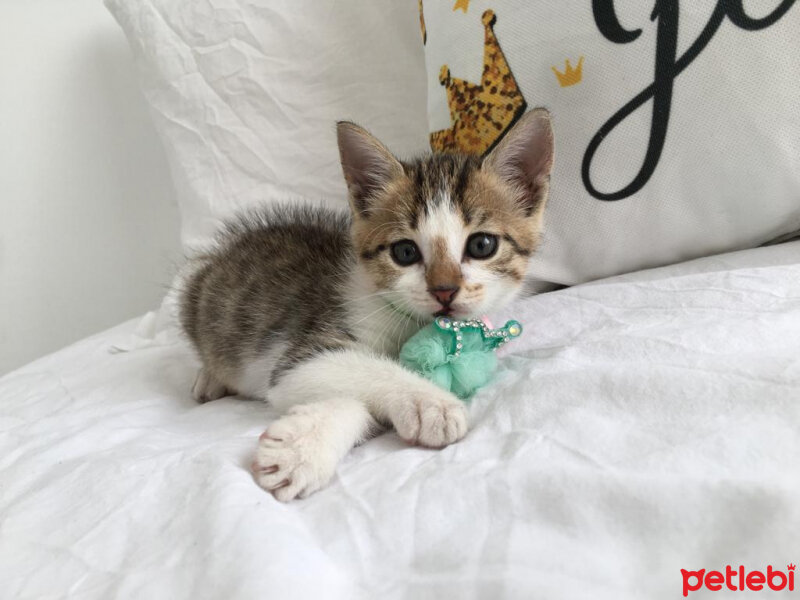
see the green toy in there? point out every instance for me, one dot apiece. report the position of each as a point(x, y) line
point(458, 356)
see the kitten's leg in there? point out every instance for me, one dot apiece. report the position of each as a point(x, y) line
point(298, 453)
point(335, 401)
point(206, 387)
point(420, 411)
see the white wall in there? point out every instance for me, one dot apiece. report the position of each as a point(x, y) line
point(88, 224)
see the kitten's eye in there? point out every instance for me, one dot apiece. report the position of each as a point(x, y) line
point(405, 252)
point(481, 245)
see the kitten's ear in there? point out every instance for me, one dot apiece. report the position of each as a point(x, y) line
point(368, 166)
point(524, 158)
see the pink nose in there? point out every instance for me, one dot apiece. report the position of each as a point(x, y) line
point(444, 295)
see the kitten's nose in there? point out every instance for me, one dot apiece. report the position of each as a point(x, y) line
point(444, 294)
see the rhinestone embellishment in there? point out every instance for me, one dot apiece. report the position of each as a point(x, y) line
point(503, 335)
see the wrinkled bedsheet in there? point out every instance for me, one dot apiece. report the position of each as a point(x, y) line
point(642, 424)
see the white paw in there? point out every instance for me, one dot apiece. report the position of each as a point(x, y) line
point(294, 456)
point(430, 419)
point(206, 388)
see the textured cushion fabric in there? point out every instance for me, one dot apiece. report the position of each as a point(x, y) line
point(245, 94)
point(677, 128)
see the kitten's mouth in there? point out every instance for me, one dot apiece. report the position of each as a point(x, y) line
point(446, 311)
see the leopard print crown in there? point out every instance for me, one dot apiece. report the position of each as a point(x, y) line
point(480, 113)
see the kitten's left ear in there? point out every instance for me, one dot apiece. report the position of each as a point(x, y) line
point(367, 164)
point(524, 158)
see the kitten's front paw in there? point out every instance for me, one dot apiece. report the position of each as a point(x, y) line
point(294, 458)
point(430, 419)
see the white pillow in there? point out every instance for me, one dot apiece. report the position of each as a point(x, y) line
point(728, 176)
point(246, 93)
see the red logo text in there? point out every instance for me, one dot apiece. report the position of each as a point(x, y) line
point(738, 579)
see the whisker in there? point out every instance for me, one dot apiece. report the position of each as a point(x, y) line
point(360, 298)
point(384, 307)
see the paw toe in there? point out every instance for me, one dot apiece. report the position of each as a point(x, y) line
point(432, 421)
point(292, 459)
point(292, 489)
point(455, 424)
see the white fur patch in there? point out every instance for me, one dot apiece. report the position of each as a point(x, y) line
point(443, 222)
point(381, 319)
point(420, 411)
point(255, 376)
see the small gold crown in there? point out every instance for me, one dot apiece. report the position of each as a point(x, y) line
point(570, 76)
point(790, 567)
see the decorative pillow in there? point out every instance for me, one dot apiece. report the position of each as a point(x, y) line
point(677, 129)
point(246, 93)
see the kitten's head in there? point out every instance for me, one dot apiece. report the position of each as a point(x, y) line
point(448, 234)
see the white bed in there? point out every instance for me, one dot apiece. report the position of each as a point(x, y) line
point(642, 424)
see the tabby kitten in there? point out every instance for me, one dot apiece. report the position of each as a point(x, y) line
point(308, 308)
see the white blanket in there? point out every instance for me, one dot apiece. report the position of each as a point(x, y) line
point(641, 425)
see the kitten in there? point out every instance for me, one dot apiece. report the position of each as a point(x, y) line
point(308, 308)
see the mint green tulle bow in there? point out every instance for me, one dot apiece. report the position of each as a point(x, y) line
point(458, 356)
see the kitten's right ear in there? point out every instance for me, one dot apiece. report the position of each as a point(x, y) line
point(524, 158)
point(367, 164)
